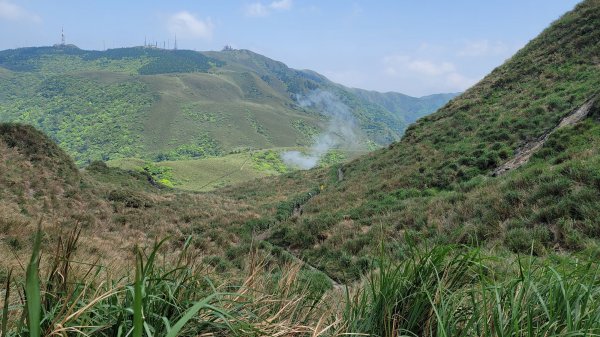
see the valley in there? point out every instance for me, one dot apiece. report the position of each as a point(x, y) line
point(147, 192)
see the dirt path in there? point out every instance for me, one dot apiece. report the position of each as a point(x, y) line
point(525, 152)
point(307, 265)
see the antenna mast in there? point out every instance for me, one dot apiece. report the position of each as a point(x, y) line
point(62, 36)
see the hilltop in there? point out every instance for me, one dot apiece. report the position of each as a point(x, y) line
point(157, 104)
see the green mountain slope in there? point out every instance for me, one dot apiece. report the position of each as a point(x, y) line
point(437, 181)
point(176, 104)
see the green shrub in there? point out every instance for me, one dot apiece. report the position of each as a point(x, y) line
point(129, 198)
point(526, 240)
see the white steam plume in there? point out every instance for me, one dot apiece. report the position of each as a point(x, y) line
point(340, 129)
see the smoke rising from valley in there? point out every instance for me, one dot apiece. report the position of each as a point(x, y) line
point(341, 129)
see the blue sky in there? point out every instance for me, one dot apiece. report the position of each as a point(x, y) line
point(409, 46)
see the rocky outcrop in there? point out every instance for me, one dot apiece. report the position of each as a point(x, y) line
point(529, 149)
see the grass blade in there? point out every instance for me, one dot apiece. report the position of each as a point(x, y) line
point(189, 314)
point(32, 288)
point(137, 298)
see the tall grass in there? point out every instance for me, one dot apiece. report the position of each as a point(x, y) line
point(403, 296)
point(432, 291)
point(457, 291)
point(161, 298)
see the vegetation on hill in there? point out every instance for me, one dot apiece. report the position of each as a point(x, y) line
point(38, 149)
point(151, 61)
point(90, 120)
point(382, 120)
point(157, 104)
point(36, 177)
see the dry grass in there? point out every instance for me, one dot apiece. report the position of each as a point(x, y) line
point(254, 303)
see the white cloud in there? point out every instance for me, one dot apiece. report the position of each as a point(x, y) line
point(482, 48)
point(12, 12)
point(430, 68)
point(281, 5)
point(397, 64)
point(258, 9)
point(186, 25)
point(424, 75)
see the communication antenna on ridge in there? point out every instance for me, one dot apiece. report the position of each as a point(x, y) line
point(175, 45)
point(62, 36)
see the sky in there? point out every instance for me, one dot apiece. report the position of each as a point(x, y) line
point(409, 46)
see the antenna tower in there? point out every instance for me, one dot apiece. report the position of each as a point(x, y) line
point(175, 45)
point(62, 36)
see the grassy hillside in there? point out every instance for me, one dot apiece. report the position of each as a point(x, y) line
point(159, 104)
point(200, 174)
point(208, 174)
point(436, 181)
point(36, 174)
point(109, 205)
